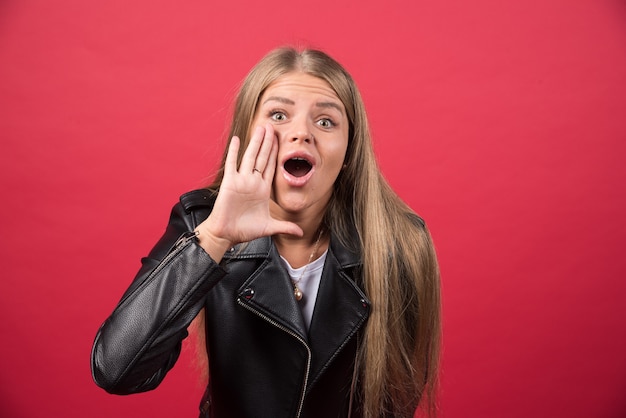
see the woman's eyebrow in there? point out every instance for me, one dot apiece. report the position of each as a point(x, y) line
point(287, 101)
point(280, 99)
point(330, 105)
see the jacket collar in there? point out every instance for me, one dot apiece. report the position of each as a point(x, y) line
point(263, 247)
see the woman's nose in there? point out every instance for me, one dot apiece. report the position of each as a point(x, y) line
point(302, 136)
point(300, 131)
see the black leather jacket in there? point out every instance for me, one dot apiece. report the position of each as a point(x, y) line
point(262, 360)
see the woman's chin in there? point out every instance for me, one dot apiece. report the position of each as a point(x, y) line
point(298, 204)
point(292, 206)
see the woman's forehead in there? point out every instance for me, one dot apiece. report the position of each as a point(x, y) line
point(295, 85)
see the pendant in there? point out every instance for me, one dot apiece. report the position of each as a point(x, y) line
point(297, 293)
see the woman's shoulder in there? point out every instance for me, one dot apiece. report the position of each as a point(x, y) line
point(191, 209)
point(198, 199)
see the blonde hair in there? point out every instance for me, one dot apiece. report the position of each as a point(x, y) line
point(399, 356)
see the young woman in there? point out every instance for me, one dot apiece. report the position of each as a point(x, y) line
point(316, 287)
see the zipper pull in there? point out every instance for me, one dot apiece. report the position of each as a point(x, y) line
point(185, 238)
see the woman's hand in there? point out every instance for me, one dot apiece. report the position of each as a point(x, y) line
point(241, 212)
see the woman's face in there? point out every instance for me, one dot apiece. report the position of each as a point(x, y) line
point(311, 125)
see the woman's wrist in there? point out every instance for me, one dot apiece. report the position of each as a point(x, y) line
point(214, 245)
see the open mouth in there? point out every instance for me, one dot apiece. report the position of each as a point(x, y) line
point(298, 167)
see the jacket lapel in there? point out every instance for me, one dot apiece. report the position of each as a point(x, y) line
point(341, 308)
point(268, 290)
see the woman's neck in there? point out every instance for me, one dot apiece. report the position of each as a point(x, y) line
point(299, 251)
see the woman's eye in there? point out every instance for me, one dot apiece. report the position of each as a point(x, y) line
point(278, 116)
point(326, 123)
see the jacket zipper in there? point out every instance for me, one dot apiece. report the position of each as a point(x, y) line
point(297, 337)
point(178, 246)
point(181, 242)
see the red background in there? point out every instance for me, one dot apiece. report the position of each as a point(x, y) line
point(500, 122)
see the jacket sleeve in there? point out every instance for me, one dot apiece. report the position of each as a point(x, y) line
point(141, 340)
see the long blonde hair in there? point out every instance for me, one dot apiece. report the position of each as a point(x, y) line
point(398, 359)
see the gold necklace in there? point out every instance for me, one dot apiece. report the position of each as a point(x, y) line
point(296, 291)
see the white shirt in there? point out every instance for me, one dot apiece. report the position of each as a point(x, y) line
point(309, 284)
